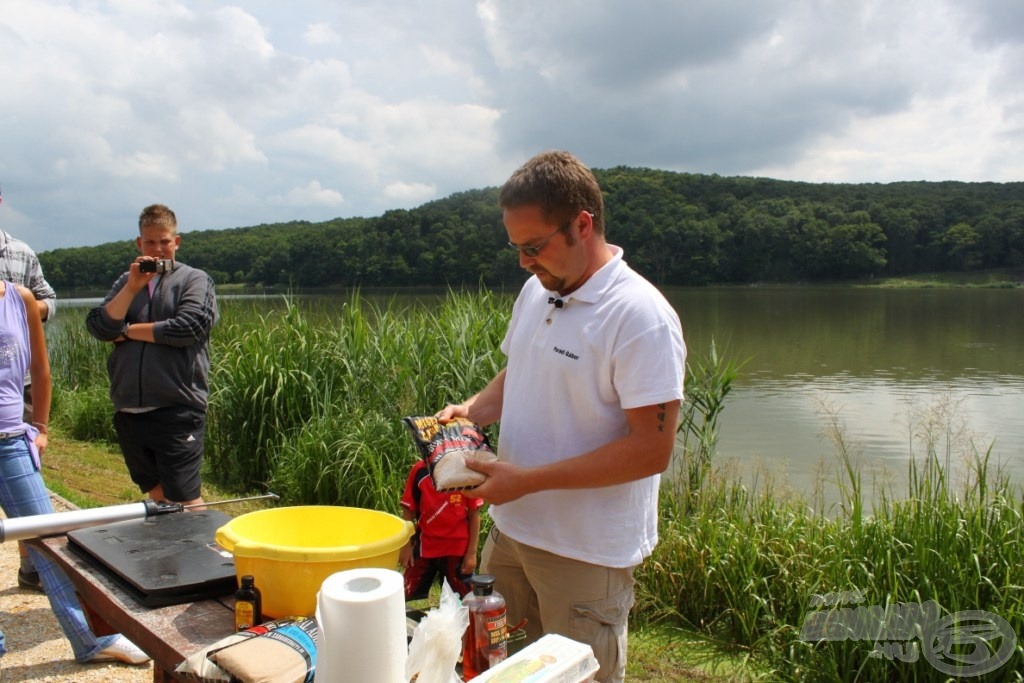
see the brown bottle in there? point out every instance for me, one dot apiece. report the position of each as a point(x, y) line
point(248, 605)
point(485, 643)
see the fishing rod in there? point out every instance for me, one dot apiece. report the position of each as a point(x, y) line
point(54, 523)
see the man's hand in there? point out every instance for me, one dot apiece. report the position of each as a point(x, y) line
point(505, 482)
point(452, 411)
point(136, 278)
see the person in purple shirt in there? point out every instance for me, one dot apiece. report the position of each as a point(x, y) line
point(20, 265)
point(22, 489)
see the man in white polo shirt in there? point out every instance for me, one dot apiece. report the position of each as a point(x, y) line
point(588, 404)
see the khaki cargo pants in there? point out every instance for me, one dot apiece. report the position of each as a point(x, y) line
point(586, 602)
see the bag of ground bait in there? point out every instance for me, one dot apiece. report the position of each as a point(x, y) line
point(199, 668)
point(279, 651)
point(446, 447)
point(286, 654)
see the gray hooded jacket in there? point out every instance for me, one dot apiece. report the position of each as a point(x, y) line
point(174, 370)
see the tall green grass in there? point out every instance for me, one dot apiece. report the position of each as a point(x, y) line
point(748, 567)
point(81, 396)
point(308, 401)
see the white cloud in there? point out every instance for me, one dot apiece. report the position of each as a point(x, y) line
point(215, 140)
point(325, 146)
point(215, 108)
point(410, 193)
point(321, 34)
point(312, 194)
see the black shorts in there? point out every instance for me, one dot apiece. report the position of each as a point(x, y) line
point(164, 446)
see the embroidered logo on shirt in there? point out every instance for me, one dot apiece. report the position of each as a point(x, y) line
point(567, 354)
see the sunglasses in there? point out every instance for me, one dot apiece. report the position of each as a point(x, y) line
point(533, 250)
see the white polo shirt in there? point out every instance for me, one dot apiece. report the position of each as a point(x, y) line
point(616, 343)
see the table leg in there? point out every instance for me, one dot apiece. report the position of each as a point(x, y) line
point(162, 676)
point(97, 624)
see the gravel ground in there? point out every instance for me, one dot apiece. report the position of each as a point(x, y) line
point(36, 648)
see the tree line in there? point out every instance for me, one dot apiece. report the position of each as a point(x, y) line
point(676, 228)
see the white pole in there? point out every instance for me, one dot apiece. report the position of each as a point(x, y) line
point(54, 523)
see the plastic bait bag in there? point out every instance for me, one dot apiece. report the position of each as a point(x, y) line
point(446, 447)
point(437, 641)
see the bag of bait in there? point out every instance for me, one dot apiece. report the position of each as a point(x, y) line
point(447, 446)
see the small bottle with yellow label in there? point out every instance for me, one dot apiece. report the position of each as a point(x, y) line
point(248, 607)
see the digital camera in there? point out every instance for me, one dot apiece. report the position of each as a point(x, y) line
point(162, 265)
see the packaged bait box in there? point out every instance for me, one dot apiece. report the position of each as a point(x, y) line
point(552, 659)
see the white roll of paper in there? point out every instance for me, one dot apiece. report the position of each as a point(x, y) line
point(362, 636)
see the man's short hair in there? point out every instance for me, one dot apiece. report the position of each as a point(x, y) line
point(158, 215)
point(560, 184)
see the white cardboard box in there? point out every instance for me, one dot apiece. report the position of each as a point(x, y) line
point(552, 659)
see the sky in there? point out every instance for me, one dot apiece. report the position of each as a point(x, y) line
point(261, 111)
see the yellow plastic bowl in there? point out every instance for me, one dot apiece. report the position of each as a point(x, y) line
point(291, 550)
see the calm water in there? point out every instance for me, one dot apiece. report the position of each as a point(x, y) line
point(895, 368)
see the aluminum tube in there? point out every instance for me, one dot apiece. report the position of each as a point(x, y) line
point(53, 523)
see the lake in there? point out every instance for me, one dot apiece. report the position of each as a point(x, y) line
point(897, 369)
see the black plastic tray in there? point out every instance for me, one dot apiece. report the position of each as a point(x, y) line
point(162, 560)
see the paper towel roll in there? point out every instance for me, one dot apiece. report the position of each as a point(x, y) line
point(362, 637)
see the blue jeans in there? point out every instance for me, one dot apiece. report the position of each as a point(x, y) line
point(22, 493)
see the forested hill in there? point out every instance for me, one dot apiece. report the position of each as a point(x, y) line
point(676, 228)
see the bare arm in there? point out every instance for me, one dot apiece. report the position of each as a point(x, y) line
point(483, 408)
point(44, 306)
point(469, 559)
point(405, 554)
point(39, 370)
point(644, 451)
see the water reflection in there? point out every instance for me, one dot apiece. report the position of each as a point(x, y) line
point(789, 427)
point(889, 365)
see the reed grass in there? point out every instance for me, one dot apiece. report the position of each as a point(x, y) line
point(748, 568)
point(81, 396)
point(308, 402)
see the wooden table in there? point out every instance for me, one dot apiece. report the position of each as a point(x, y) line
point(167, 634)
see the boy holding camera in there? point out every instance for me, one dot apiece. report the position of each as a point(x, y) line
point(159, 315)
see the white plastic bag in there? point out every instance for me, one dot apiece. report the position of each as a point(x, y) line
point(437, 641)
